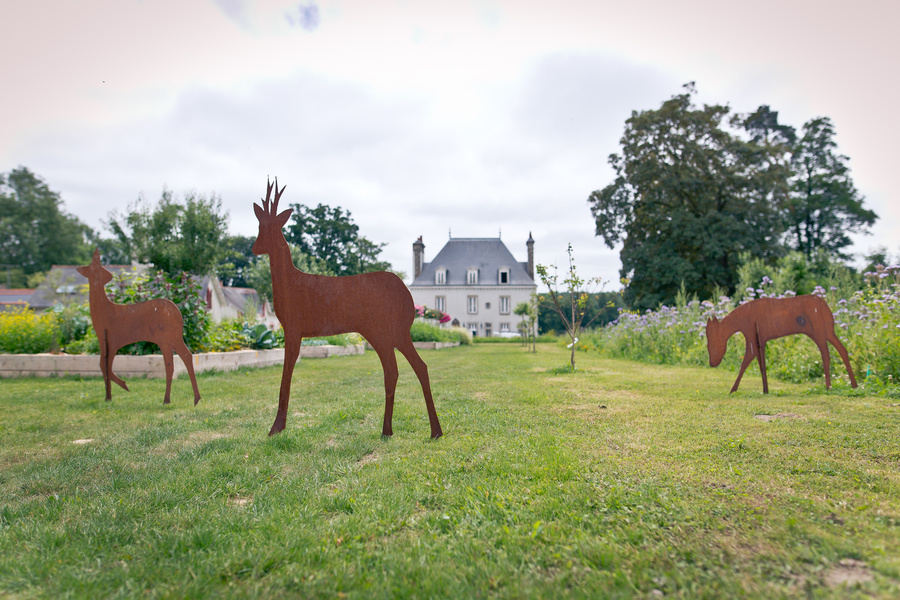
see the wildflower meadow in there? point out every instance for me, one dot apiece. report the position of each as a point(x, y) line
point(867, 320)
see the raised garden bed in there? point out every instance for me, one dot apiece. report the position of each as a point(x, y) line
point(151, 365)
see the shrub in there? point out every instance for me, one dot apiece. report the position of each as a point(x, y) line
point(225, 336)
point(74, 322)
point(341, 339)
point(426, 332)
point(22, 331)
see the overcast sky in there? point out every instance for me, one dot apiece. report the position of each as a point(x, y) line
point(420, 117)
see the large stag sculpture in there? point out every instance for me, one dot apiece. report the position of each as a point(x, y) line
point(766, 319)
point(158, 321)
point(376, 305)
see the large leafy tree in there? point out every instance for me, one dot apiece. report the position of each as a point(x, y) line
point(775, 142)
point(35, 231)
point(174, 236)
point(329, 235)
point(690, 197)
point(237, 259)
point(824, 206)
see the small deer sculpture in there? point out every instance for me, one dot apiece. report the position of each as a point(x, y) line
point(766, 319)
point(158, 321)
point(376, 305)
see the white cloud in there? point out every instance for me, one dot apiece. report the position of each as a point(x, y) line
point(419, 117)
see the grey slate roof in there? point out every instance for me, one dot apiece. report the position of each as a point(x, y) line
point(64, 282)
point(488, 255)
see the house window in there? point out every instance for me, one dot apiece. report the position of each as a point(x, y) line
point(472, 305)
point(473, 328)
point(504, 327)
point(504, 305)
point(487, 306)
point(504, 276)
point(472, 276)
point(487, 330)
point(440, 303)
point(440, 277)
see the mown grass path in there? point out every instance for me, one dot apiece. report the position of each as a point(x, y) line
point(620, 480)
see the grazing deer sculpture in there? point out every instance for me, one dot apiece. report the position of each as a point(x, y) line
point(766, 319)
point(158, 321)
point(377, 306)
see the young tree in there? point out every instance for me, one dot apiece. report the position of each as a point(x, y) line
point(35, 231)
point(600, 309)
point(571, 304)
point(688, 199)
point(824, 206)
point(528, 311)
point(173, 236)
point(330, 235)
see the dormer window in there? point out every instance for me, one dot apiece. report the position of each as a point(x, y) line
point(472, 276)
point(440, 277)
point(504, 276)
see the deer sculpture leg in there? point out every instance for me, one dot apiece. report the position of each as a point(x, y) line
point(105, 365)
point(421, 369)
point(749, 355)
point(185, 354)
point(170, 370)
point(761, 359)
point(391, 374)
point(291, 352)
point(826, 360)
point(844, 356)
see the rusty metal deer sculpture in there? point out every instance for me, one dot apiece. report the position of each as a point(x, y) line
point(375, 305)
point(158, 321)
point(766, 319)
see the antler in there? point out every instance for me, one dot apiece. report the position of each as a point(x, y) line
point(272, 208)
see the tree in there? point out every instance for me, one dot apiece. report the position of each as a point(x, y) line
point(238, 257)
point(528, 311)
point(571, 305)
point(35, 231)
point(824, 206)
point(775, 142)
point(688, 199)
point(173, 236)
point(330, 235)
point(258, 274)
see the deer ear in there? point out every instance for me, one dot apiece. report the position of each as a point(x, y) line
point(283, 217)
point(260, 213)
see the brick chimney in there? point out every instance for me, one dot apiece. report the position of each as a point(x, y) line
point(530, 244)
point(418, 257)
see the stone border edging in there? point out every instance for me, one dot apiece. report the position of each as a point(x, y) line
point(88, 365)
point(426, 345)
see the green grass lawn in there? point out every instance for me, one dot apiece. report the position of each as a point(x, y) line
point(620, 480)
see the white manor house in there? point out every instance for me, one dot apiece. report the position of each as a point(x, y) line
point(476, 281)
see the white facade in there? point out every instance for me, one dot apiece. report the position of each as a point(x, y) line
point(477, 282)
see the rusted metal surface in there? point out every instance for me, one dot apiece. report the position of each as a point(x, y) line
point(377, 306)
point(158, 321)
point(767, 319)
